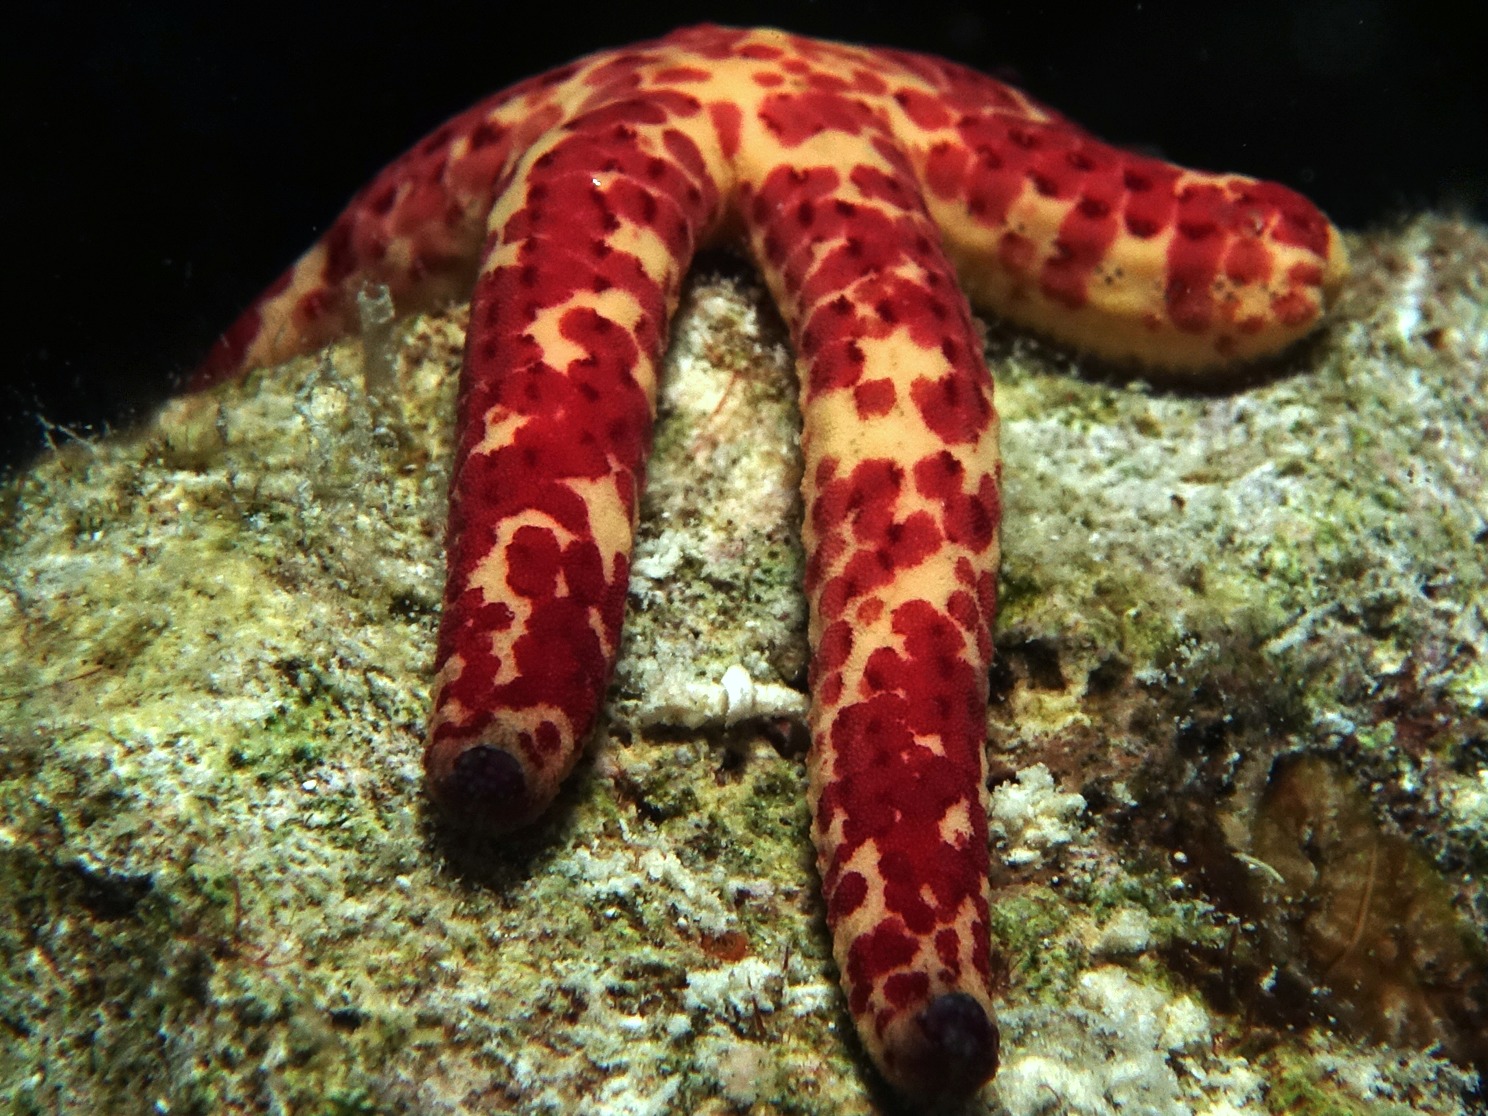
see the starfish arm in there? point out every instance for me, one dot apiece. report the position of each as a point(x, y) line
point(580, 275)
point(900, 484)
point(417, 228)
point(1127, 257)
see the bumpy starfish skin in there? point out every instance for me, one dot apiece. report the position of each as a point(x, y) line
point(863, 183)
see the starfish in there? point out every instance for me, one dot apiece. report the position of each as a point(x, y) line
point(864, 184)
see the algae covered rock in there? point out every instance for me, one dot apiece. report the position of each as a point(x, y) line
point(1240, 726)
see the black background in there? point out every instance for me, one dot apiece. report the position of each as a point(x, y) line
point(163, 161)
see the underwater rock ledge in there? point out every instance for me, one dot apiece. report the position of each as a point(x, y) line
point(1240, 728)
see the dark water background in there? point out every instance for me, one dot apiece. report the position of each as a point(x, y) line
point(166, 160)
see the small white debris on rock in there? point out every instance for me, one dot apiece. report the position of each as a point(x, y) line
point(1128, 931)
point(735, 697)
point(741, 1068)
point(1240, 1089)
point(1185, 1025)
point(659, 562)
point(1034, 1084)
point(694, 898)
point(1467, 803)
point(1032, 816)
point(1113, 1053)
point(734, 991)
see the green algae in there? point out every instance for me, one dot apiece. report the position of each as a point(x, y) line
point(1032, 930)
point(220, 878)
point(1306, 1088)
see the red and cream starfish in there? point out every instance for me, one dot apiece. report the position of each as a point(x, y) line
point(865, 184)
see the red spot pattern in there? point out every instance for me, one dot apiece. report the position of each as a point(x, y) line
point(586, 422)
point(898, 720)
point(579, 197)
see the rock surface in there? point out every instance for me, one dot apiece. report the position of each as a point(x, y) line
point(1239, 744)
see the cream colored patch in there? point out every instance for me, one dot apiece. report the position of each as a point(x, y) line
point(610, 523)
point(955, 823)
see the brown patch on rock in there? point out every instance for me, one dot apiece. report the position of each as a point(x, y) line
point(1365, 914)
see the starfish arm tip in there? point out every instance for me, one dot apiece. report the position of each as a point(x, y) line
point(481, 786)
point(946, 1051)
